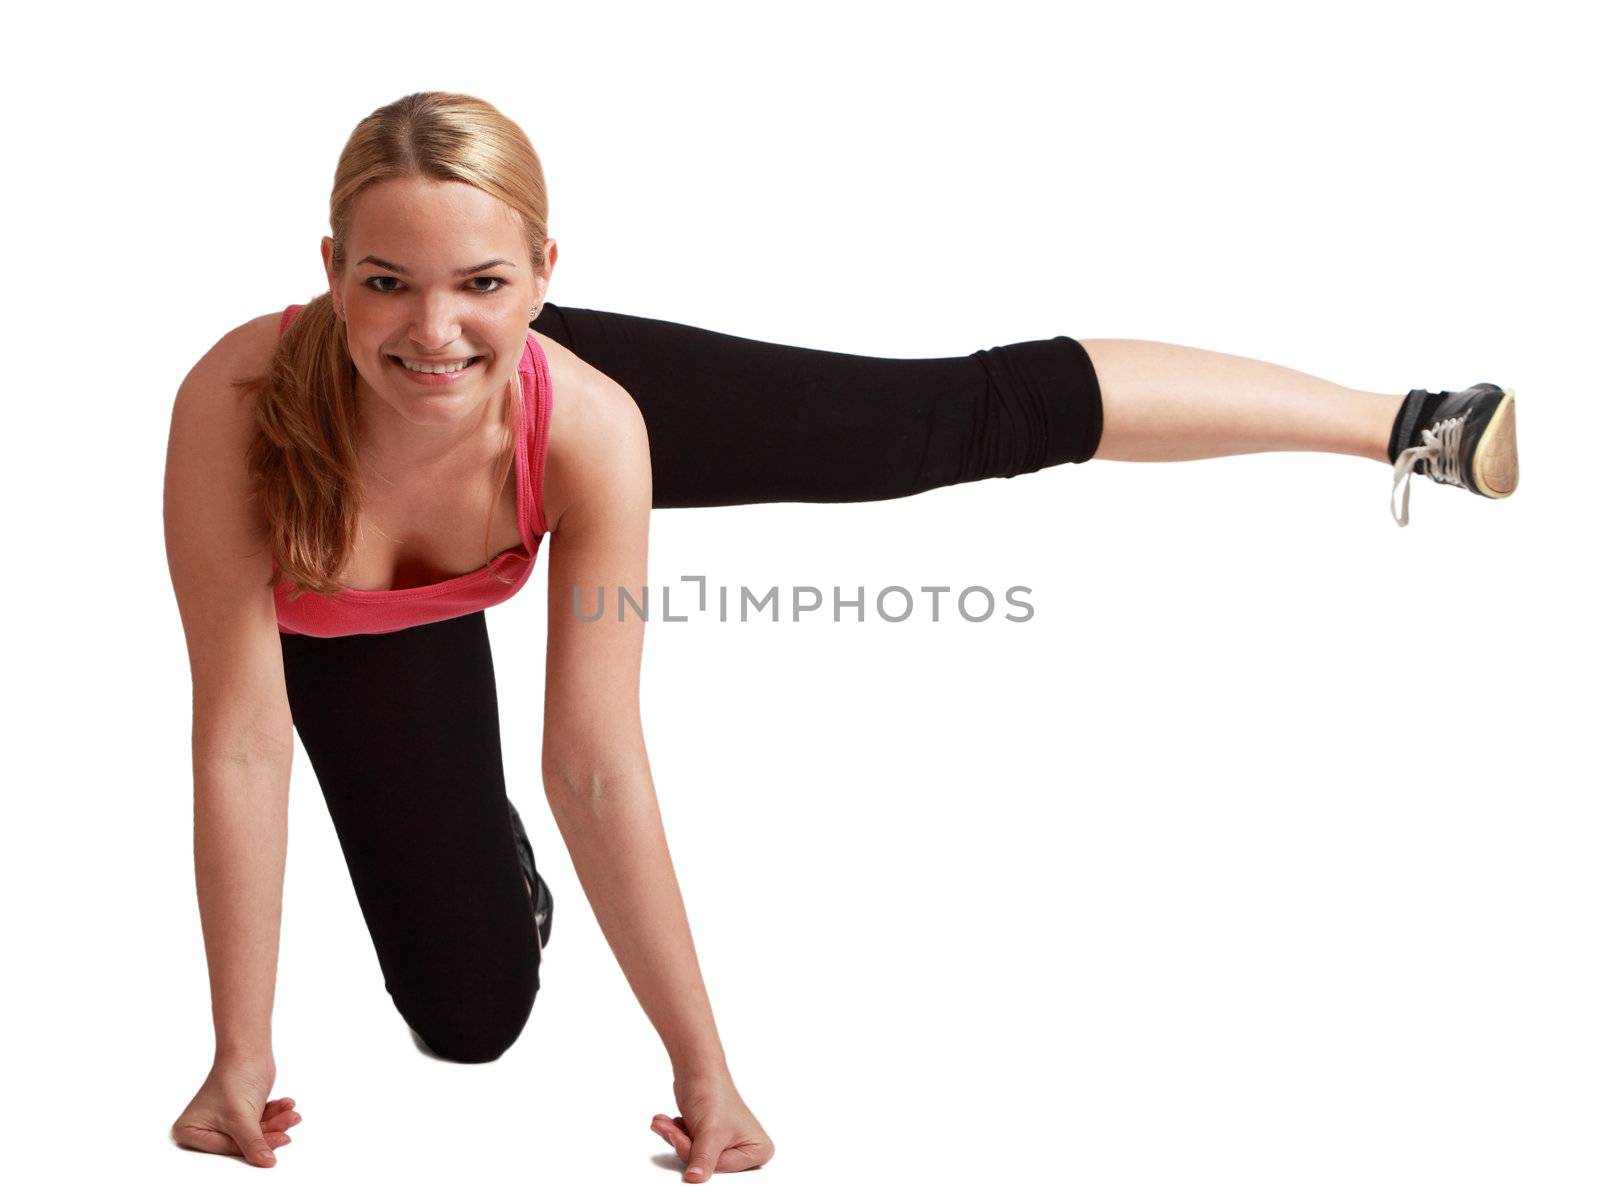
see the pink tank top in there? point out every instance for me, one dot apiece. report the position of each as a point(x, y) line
point(356, 611)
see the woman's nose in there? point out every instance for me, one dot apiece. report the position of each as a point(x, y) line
point(435, 324)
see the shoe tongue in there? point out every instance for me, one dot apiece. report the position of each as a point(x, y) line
point(1429, 406)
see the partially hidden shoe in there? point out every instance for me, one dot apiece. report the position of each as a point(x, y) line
point(543, 903)
point(1465, 438)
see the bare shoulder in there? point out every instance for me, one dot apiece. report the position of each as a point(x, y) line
point(252, 341)
point(597, 441)
point(241, 352)
point(256, 339)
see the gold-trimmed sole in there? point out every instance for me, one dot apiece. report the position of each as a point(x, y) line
point(1494, 466)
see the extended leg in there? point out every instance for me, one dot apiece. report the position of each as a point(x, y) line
point(733, 420)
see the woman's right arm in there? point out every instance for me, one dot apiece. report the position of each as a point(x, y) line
point(242, 737)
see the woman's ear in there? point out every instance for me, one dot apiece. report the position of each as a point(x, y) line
point(327, 267)
point(550, 252)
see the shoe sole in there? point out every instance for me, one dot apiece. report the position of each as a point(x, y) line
point(520, 834)
point(1494, 466)
point(549, 919)
point(541, 931)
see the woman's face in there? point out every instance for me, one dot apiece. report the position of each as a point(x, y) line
point(435, 272)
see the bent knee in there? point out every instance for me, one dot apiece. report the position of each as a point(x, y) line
point(473, 1032)
point(470, 1042)
point(473, 1047)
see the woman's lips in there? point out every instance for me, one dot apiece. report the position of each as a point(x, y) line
point(434, 379)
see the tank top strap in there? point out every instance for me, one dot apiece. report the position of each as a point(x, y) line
point(538, 394)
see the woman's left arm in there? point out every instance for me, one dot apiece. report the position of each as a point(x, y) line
point(597, 774)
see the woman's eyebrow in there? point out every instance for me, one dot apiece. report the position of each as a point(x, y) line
point(468, 270)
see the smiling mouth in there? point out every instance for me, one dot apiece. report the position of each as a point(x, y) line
point(467, 364)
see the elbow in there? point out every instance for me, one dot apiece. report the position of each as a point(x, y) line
point(566, 783)
point(589, 780)
point(248, 745)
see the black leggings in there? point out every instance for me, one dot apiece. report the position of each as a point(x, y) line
point(403, 728)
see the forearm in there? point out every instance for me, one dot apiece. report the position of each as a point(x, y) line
point(240, 838)
point(618, 846)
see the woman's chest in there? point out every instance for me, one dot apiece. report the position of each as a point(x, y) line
point(431, 532)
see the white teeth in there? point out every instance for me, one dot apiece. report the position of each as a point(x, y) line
point(443, 368)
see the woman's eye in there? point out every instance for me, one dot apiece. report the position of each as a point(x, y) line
point(376, 279)
point(488, 291)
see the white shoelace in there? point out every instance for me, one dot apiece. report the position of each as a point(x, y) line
point(1440, 452)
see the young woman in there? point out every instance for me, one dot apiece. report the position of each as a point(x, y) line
point(335, 469)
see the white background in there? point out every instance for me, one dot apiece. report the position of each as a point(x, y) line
point(1261, 862)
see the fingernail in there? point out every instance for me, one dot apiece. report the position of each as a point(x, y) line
point(695, 1172)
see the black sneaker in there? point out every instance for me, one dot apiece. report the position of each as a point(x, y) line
point(1465, 438)
point(543, 903)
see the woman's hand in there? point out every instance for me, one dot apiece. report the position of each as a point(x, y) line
point(716, 1131)
point(230, 1114)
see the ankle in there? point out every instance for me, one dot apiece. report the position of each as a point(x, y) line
point(1416, 406)
point(1386, 409)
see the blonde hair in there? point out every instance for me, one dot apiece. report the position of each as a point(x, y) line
point(302, 456)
